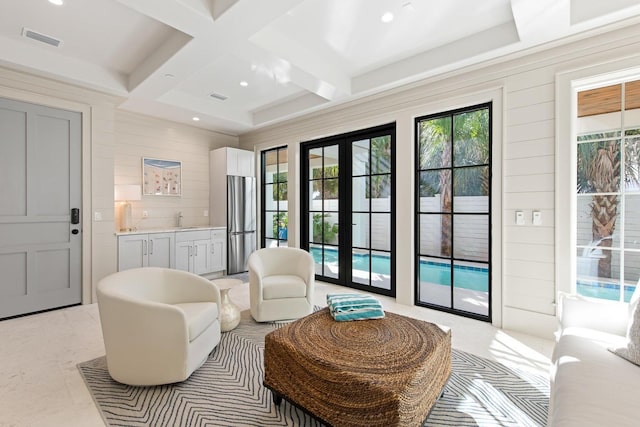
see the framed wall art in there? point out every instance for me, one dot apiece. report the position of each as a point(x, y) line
point(161, 177)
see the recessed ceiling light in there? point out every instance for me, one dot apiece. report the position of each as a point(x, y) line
point(387, 17)
point(196, 119)
point(57, 2)
point(244, 83)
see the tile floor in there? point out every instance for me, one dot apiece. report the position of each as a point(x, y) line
point(40, 384)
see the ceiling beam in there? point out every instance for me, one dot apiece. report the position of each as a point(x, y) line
point(540, 21)
point(441, 59)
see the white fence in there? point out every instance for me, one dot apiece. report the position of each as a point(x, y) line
point(471, 236)
point(471, 231)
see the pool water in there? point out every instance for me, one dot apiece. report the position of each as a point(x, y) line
point(465, 277)
point(474, 278)
point(609, 291)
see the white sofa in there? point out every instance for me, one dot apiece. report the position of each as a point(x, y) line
point(281, 284)
point(591, 386)
point(159, 325)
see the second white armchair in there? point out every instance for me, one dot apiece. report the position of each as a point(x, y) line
point(281, 284)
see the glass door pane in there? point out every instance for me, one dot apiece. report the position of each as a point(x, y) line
point(275, 198)
point(324, 208)
point(371, 212)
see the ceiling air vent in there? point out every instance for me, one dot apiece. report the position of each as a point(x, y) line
point(218, 96)
point(41, 37)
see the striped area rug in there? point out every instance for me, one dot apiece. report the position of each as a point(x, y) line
point(227, 391)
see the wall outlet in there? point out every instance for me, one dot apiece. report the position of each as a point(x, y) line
point(206, 213)
point(519, 218)
point(145, 214)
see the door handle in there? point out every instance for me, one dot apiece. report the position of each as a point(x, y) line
point(196, 250)
point(75, 216)
point(150, 247)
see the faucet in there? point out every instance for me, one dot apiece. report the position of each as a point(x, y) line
point(179, 219)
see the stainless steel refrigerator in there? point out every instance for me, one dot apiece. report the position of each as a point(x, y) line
point(241, 221)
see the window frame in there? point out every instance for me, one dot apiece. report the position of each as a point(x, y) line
point(417, 212)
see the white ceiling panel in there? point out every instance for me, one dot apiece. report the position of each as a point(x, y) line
point(352, 35)
point(266, 83)
point(101, 32)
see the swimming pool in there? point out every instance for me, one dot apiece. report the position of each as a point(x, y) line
point(610, 291)
point(466, 277)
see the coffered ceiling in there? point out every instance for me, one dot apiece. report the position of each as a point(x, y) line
point(241, 64)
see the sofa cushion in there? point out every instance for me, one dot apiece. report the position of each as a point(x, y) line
point(283, 286)
point(601, 315)
point(590, 385)
point(200, 315)
point(631, 351)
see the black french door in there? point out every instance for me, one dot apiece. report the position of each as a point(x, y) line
point(347, 205)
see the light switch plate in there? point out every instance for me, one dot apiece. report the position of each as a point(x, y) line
point(97, 216)
point(206, 212)
point(519, 218)
point(145, 214)
point(537, 218)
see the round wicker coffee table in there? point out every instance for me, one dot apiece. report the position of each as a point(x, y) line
point(383, 372)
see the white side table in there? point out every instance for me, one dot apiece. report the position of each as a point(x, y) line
point(229, 312)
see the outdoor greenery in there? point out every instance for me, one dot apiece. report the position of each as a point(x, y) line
point(280, 186)
point(280, 223)
point(380, 164)
point(330, 188)
point(323, 230)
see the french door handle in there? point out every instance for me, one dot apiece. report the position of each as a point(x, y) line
point(151, 247)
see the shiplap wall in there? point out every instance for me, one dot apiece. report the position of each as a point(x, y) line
point(524, 272)
point(139, 136)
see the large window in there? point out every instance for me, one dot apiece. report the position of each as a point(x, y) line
point(453, 199)
point(608, 191)
point(275, 212)
point(348, 208)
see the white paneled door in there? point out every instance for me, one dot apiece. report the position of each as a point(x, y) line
point(40, 197)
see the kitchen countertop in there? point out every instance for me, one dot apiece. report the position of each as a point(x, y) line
point(168, 230)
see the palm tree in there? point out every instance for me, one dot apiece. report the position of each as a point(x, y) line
point(435, 152)
point(599, 169)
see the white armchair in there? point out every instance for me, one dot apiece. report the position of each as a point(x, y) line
point(159, 325)
point(281, 284)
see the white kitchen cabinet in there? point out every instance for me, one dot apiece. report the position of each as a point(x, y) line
point(234, 162)
point(199, 251)
point(193, 251)
point(146, 250)
point(218, 250)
